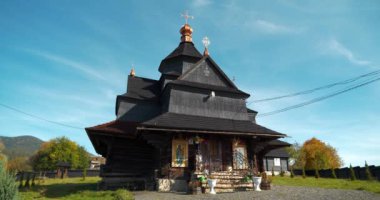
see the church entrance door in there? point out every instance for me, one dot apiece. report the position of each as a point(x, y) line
point(211, 152)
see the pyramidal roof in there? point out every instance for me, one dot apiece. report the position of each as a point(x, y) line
point(185, 49)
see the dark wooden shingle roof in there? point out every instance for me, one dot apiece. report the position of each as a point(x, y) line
point(191, 122)
point(278, 153)
point(142, 88)
point(185, 49)
point(208, 87)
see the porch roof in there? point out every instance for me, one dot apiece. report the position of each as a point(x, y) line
point(117, 127)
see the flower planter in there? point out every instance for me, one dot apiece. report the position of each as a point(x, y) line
point(256, 183)
point(212, 184)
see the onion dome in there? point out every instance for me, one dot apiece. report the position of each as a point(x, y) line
point(186, 32)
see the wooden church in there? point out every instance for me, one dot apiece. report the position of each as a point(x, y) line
point(193, 119)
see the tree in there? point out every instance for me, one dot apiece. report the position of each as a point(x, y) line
point(3, 157)
point(83, 158)
point(368, 174)
point(19, 164)
point(317, 173)
point(291, 172)
point(333, 174)
point(303, 172)
point(294, 152)
point(352, 173)
point(59, 150)
point(315, 154)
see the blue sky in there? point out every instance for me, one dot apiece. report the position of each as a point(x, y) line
point(67, 60)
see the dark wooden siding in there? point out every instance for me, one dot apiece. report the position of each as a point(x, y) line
point(136, 110)
point(130, 157)
point(206, 73)
point(269, 163)
point(199, 103)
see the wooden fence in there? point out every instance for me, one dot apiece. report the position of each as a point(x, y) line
point(53, 174)
point(344, 173)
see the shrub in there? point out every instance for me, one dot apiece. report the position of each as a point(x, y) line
point(352, 173)
point(122, 194)
point(273, 171)
point(8, 185)
point(333, 174)
point(368, 174)
point(282, 173)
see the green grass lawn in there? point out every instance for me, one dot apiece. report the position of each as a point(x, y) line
point(72, 189)
point(372, 186)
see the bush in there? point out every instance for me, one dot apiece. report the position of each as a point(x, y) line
point(273, 171)
point(368, 174)
point(122, 194)
point(282, 173)
point(352, 173)
point(333, 174)
point(8, 185)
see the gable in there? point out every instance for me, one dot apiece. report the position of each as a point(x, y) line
point(207, 72)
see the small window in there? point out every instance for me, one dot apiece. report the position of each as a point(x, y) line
point(277, 162)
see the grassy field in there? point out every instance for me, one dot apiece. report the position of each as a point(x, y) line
point(371, 186)
point(72, 189)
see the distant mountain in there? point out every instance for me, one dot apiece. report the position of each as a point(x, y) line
point(20, 146)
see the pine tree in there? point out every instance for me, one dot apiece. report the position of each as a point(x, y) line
point(303, 172)
point(8, 185)
point(333, 174)
point(352, 173)
point(368, 174)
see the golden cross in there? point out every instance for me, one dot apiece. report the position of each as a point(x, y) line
point(186, 16)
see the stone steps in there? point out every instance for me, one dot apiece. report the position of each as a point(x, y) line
point(228, 182)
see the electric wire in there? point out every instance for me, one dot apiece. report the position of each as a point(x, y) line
point(319, 88)
point(38, 117)
point(315, 100)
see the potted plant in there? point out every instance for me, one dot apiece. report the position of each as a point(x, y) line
point(265, 182)
point(212, 183)
point(202, 179)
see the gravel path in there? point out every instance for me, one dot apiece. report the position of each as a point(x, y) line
point(277, 193)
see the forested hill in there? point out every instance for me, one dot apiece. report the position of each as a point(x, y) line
point(20, 146)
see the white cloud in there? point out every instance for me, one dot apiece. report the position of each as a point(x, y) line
point(273, 28)
point(201, 3)
point(336, 47)
point(87, 70)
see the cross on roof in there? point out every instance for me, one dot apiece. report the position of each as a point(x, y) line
point(186, 16)
point(206, 42)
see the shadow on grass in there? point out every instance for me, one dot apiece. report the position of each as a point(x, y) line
point(60, 190)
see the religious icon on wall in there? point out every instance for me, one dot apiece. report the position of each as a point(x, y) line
point(179, 153)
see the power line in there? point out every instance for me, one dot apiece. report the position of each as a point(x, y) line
point(39, 118)
point(318, 99)
point(319, 88)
